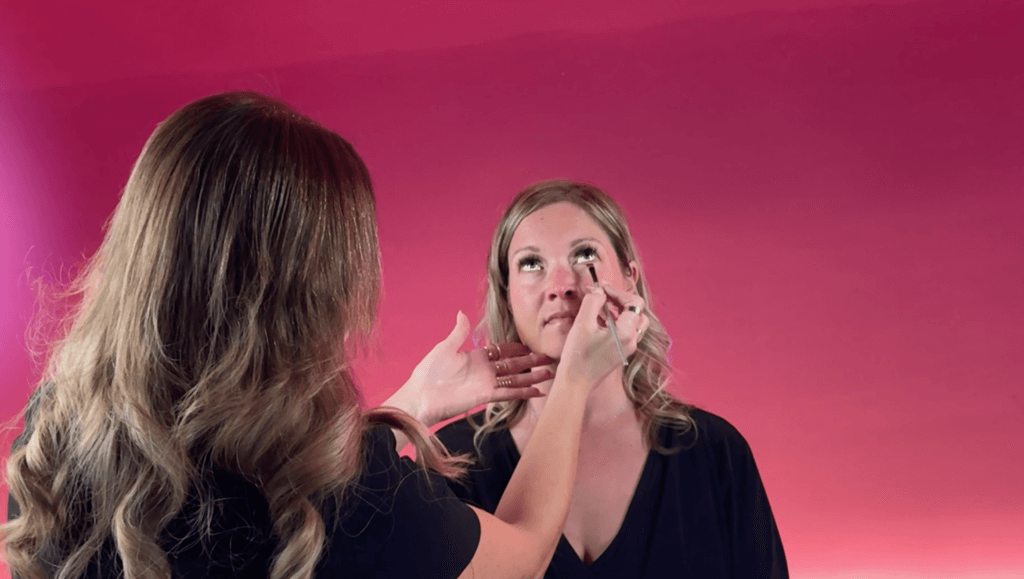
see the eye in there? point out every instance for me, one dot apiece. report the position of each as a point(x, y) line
point(584, 254)
point(529, 263)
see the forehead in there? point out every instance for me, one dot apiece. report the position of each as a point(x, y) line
point(556, 225)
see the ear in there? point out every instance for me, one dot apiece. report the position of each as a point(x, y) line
point(634, 274)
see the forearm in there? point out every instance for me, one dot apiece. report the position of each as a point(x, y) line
point(538, 496)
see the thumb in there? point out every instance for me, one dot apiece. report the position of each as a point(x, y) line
point(460, 333)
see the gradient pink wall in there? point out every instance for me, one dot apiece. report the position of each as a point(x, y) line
point(828, 197)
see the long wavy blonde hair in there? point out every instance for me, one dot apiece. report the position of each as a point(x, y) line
point(648, 371)
point(210, 334)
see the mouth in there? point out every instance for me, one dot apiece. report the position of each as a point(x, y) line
point(560, 317)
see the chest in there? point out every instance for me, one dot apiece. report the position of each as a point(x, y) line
point(609, 470)
point(605, 485)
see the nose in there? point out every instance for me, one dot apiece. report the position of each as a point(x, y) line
point(563, 283)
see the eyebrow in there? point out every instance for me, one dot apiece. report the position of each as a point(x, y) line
point(535, 249)
point(532, 248)
point(580, 240)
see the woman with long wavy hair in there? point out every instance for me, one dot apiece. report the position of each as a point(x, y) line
point(199, 417)
point(664, 489)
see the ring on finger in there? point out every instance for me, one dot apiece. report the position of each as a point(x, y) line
point(500, 367)
point(504, 382)
point(634, 309)
point(493, 352)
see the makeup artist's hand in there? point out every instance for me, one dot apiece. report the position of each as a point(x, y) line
point(448, 382)
point(589, 352)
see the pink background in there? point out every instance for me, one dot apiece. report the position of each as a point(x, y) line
point(827, 196)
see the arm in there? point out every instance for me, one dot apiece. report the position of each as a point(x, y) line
point(757, 547)
point(524, 531)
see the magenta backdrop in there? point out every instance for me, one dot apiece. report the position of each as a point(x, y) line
point(828, 197)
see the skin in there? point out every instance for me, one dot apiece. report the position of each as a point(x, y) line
point(548, 258)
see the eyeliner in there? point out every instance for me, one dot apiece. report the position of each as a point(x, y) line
point(608, 317)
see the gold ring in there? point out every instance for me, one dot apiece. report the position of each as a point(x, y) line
point(504, 382)
point(500, 367)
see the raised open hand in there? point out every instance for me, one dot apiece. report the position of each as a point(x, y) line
point(448, 382)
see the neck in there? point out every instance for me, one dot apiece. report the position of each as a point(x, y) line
point(606, 405)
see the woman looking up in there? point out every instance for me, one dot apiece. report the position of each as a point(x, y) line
point(199, 418)
point(663, 489)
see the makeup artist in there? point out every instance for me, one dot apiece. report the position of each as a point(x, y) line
point(199, 419)
point(664, 489)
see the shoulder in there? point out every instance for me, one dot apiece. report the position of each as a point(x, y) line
point(711, 437)
point(716, 430)
point(398, 519)
point(492, 466)
point(457, 436)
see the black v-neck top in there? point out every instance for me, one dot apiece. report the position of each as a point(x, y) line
point(398, 521)
point(701, 512)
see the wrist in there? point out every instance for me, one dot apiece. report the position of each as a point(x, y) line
point(408, 400)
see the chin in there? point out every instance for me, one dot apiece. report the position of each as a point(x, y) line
point(550, 346)
point(553, 348)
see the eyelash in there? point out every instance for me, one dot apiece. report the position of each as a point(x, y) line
point(584, 250)
point(527, 261)
point(582, 254)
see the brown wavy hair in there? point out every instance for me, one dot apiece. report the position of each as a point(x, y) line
point(211, 333)
point(648, 371)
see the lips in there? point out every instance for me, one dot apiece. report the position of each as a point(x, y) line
point(563, 315)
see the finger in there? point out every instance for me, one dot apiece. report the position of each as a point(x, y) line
point(511, 349)
point(626, 303)
point(645, 322)
point(591, 306)
point(632, 332)
point(506, 394)
point(632, 321)
point(622, 299)
point(620, 302)
point(460, 333)
point(526, 379)
point(516, 365)
point(530, 378)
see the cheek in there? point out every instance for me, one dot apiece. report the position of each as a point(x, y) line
point(524, 311)
point(518, 302)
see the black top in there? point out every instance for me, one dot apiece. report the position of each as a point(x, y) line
point(701, 512)
point(398, 521)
